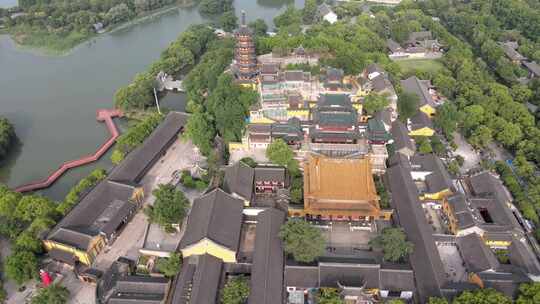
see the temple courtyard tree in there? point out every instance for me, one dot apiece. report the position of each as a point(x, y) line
point(303, 241)
point(529, 293)
point(482, 296)
point(54, 294)
point(169, 266)
point(407, 105)
point(169, 207)
point(329, 296)
point(279, 153)
point(236, 291)
point(393, 243)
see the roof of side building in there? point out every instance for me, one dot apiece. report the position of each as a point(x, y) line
point(206, 280)
point(425, 259)
point(136, 163)
point(239, 179)
point(401, 136)
point(420, 88)
point(86, 219)
point(477, 256)
point(439, 179)
point(216, 216)
point(268, 259)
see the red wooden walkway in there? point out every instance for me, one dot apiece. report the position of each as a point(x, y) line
point(105, 115)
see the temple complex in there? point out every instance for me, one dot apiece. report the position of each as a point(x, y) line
point(245, 68)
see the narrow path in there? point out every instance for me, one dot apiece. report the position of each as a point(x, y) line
point(105, 115)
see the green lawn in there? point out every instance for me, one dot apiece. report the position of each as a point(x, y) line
point(425, 65)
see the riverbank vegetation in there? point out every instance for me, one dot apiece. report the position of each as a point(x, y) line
point(7, 137)
point(180, 54)
point(59, 26)
point(82, 187)
point(134, 136)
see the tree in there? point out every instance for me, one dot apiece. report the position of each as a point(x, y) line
point(447, 119)
point(375, 102)
point(521, 93)
point(259, 27)
point(434, 300)
point(201, 131)
point(393, 243)
point(482, 296)
point(474, 116)
point(529, 293)
point(169, 266)
point(21, 266)
point(510, 134)
point(53, 294)
point(7, 136)
point(236, 291)
point(407, 105)
point(279, 153)
point(329, 296)
point(169, 207)
point(438, 146)
point(424, 146)
point(228, 21)
point(302, 240)
point(480, 137)
point(249, 161)
point(309, 12)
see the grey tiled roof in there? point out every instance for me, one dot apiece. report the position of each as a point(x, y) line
point(521, 255)
point(402, 140)
point(425, 259)
point(216, 216)
point(533, 67)
point(206, 280)
point(439, 179)
point(85, 220)
point(477, 256)
point(267, 270)
point(420, 88)
point(239, 180)
point(136, 163)
point(420, 120)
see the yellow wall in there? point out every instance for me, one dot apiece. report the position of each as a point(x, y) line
point(436, 196)
point(429, 110)
point(84, 257)
point(491, 243)
point(207, 246)
point(263, 120)
point(422, 132)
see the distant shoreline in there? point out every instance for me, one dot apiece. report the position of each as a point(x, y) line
point(46, 51)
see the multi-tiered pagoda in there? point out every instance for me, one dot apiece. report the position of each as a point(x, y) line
point(245, 66)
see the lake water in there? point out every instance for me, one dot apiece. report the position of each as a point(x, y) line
point(52, 100)
point(8, 3)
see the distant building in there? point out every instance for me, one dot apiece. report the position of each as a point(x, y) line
point(418, 45)
point(533, 68)
point(340, 189)
point(510, 50)
point(425, 92)
point(421, 125)
point(325, 13)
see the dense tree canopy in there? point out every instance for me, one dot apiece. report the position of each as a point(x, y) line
point(169, 208)
point(375, 102)
point(53, 294)
point(235, 291)
point(394, 244)
point(482, 296)
point(407, 105)
point(529, 293)
point(279, 153)
point(329, 296)
point(7, 137)
point(21, 266)
point(303, 241)
point(169, 266)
